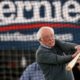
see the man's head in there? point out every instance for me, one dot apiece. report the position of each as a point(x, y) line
point(45, 36)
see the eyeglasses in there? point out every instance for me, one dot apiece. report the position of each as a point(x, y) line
point(48, 36)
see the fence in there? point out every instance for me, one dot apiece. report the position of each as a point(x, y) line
point(19, 22)
point(13, 62)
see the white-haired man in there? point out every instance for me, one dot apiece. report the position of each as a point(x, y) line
point(52, 55)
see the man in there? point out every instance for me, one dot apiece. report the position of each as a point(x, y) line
point(32, 72)
point(53, 55)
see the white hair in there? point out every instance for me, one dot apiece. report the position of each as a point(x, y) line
point(39, 33)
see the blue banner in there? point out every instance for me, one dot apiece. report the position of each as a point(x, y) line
point(20, 21)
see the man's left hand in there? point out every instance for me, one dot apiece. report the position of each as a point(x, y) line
point(77, 47)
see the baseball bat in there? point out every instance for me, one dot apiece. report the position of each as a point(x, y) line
point(72, 63)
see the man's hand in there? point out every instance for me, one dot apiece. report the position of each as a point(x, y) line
point(77, 48)
point(77, 51)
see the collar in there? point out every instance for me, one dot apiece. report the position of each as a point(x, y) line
point(45, 46)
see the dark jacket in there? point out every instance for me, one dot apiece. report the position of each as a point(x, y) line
point(53, 60)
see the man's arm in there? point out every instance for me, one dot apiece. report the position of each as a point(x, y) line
point(67, 47)
point(51, 58)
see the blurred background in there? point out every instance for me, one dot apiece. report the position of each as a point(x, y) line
point(19, 22)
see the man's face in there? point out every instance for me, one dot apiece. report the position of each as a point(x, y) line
point(48, 38)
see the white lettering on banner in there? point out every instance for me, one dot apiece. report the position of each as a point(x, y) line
point(17, 36)
point(65, 37)
point(11, 9)
point(18, 11)
point(66, 11)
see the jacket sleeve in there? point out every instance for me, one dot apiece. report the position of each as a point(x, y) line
point(67, 47)
point(51, 58)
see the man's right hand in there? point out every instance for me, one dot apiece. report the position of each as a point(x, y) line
point(75, 54)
